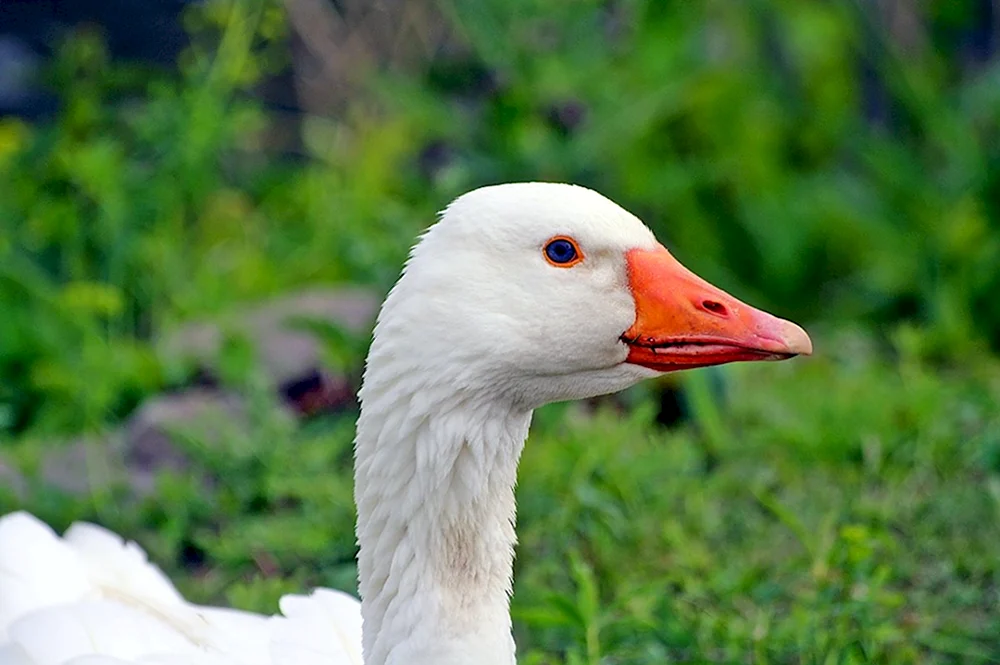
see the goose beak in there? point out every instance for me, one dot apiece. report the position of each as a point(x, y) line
point(683, 322)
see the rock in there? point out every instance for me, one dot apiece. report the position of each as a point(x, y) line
point(202, 415)
point(11, 479)
point(148, 443)
point(290, 355)
point(83, 466)
point(319, 392)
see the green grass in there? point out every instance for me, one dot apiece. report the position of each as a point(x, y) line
point(849, 514)
point(837, 509)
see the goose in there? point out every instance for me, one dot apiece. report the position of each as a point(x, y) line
point(520, 295)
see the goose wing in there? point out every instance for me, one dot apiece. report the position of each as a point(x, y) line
point(92, 598)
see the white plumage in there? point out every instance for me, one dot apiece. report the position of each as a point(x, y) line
point(90, 597)
point(487, 323)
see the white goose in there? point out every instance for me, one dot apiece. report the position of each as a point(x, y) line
point(521, 294)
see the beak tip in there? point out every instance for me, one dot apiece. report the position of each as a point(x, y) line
point(797, 340)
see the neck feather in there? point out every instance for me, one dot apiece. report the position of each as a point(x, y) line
point(435, 468)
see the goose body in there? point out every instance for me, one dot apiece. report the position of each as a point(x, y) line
point(521, 295)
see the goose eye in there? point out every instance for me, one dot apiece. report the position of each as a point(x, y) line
point(563, 252)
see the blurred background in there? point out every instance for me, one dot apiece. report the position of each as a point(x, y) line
point(202, 203)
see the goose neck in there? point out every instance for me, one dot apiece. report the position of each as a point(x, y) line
point(434, 484)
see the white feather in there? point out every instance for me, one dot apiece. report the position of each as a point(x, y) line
point(114, 607)
point(322, 628)
point(113, 563)
point(58, 634)
point(37, 569)
point(14, 654)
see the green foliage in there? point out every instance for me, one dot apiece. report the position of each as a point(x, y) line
point(881, 548)
point(151, 200)
point(844, 509)
point(743, 133)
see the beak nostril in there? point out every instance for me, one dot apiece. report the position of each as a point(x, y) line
point(715, 307)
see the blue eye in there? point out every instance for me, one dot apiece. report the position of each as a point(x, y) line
point(562, 252)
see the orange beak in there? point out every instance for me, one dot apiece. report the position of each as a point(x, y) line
point(682, 321)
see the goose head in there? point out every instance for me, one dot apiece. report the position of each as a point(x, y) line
point(542, 292)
